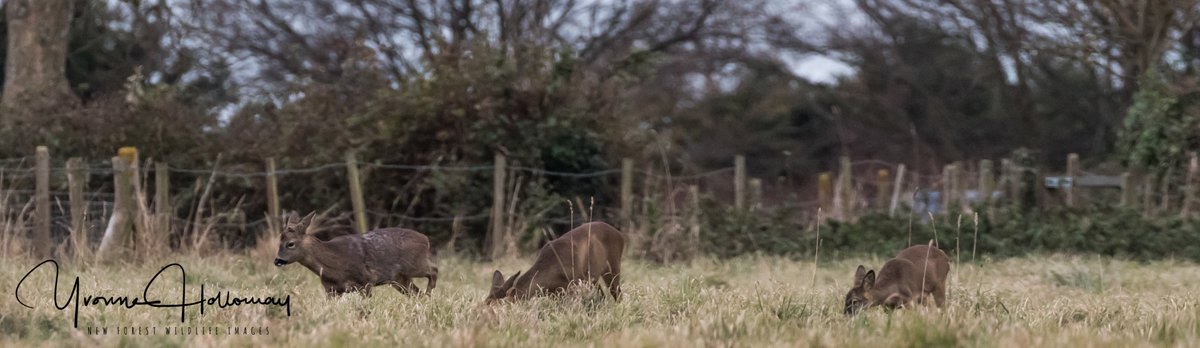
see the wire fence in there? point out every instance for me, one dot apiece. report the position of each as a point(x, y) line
point(12, 169)
point(24, 168)
point(924, 191)
point(17, 188)
point(407, 167)
point(20, 168)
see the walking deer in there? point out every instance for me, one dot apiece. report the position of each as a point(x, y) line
point(359, 262)
point(915, 274)
point(589, 253)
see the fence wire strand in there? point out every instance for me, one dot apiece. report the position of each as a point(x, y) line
point(99, 204)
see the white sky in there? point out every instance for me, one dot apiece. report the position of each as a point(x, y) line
point(819, 18)
point(821, 69)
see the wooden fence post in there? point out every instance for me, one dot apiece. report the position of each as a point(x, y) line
point(947, 187)
point(118, 237)
point(273, 220)
point(134, 220)
point(649, 192)
point(1165, 185)
point(1148, 194)
point(843, 200)
point(1015, 185)
point(739, 182)
point(1073, 172)
point(694, 217)
point(897, 189)
point(239, 219)
point(956, 185)
point(1127, 190)
point(825, 191)
point(497, 239)
point(76, 180)
point(755, 194)
point(987, 182)
point(883, 188)
point(162, 201)
point(114, 234)
point(43, 246)
point(1008, 184)
point(356, 193)
point(961, 182)
point(1038, 185)
point(626, 191)
point(1190, 187)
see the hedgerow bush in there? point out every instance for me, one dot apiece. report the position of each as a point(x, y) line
point(1098, 230)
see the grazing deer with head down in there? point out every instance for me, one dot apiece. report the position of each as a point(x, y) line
point(589, 253)
point(915, 274)
point(359, 262)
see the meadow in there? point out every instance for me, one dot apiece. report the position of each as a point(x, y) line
point(1038, 300)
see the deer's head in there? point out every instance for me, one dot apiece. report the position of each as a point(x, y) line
point(291, 238)
point(501, 289)
point(860, 295)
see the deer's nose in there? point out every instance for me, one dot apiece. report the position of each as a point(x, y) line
point(280, 262)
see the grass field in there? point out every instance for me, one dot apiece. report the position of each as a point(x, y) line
point(751, 301)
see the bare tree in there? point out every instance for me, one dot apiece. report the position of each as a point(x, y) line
point(313, 41)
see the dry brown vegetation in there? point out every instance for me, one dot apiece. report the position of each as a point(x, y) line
point(1052, 300)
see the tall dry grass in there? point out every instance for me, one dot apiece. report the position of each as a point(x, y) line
point(749, 301)
point(150, 242)
point(693, 301)
point(14, 227)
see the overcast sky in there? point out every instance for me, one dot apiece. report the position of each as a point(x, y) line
point(820, 16)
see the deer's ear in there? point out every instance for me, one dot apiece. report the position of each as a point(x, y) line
point(859, 274)
point(291, 217)
point(511, 281)
point(497, 279)
point(306, 222)
point(869, 280)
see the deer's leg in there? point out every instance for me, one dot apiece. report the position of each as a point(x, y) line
point(331, 289)
point(939, 296)
point(432, 277)
point(614, 285)
point(340, 289)
point(404, 285)
point(412, 286)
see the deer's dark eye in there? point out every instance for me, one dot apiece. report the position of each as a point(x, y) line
point(291, 245)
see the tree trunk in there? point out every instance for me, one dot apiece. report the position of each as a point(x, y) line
point(35, 80)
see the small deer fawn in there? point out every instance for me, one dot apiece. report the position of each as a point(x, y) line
point(359, 262)
point(591, 252)
point(915, 273)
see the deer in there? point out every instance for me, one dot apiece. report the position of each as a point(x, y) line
point(589, 253)
point(359, 262)
point(916, 273)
